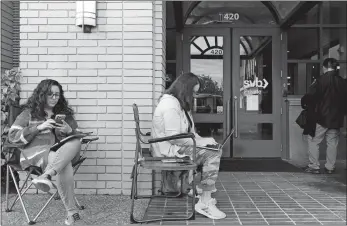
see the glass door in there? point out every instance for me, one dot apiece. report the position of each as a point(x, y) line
point(206, 53)
point(256, 93)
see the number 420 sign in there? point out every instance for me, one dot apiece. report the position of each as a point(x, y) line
point(229, 16)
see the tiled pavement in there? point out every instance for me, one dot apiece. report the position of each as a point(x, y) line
point(266, 199)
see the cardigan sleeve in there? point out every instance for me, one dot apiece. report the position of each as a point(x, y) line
point(172, 124)
point(21, 132)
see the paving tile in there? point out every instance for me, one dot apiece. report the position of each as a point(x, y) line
point(280, 223)
point(250, 222)
point(333, 223)
point(307, 223)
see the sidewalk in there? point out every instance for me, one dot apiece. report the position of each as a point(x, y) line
point(268, 199)
point(248, 198)
point(99, 210)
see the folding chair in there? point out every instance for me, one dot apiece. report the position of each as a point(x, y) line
point(12, 161)
point(155, 163)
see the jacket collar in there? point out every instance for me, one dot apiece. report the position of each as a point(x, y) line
point(332, 73)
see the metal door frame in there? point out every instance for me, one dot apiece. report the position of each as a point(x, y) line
point(225, 32)
point(275, 117)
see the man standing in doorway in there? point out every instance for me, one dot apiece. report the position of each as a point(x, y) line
point(330, 97)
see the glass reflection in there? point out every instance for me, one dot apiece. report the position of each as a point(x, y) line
point(334, 43)
point(214, 130)
point(303, 43)
point(256, 76)
point(301, 76)
point(207, 63)
point(256, 131)
point(334, 12)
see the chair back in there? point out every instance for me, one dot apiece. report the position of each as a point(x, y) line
point(14, 111)
point(14, 158)
point(138, 153)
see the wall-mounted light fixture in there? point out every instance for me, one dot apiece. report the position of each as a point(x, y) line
point(86, 15)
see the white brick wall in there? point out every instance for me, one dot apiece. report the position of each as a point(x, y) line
point(103, 73)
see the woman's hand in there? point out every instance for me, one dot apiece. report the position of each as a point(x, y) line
point(64, 128)
point(49, 124)
point(204, 141)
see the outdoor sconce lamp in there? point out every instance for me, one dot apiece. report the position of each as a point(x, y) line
point(86, 15)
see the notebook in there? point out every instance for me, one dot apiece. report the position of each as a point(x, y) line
point(57, 145)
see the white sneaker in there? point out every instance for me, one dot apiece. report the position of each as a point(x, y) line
point(213, 200)
point(43, 183)
point(199, 191)
point(209, 210)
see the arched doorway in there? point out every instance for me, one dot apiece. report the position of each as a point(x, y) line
point(234, 48)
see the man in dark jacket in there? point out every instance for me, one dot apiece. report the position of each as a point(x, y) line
point(330, 98)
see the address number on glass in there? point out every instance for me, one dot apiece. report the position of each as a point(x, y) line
point(229, 16)
point(216, 52)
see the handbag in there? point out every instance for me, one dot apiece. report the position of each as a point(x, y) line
point(302, 119)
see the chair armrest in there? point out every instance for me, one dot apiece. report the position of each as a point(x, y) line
point(174, 137)
point(86, 140)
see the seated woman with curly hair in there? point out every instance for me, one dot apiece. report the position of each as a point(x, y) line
point(36, 131)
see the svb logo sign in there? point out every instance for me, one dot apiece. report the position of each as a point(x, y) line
point(256, 83)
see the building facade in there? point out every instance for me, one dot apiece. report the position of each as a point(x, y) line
point(259, 56)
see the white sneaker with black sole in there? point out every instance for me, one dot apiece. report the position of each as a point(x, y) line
point(209, 210)
point(43, 183)
point(199, 192)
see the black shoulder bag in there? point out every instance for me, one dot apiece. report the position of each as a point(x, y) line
point(302, 119)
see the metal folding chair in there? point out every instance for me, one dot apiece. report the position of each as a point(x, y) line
point(12, 161)
point(155, 163)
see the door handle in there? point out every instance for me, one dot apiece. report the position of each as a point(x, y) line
point(228, 115)
point(235, 118)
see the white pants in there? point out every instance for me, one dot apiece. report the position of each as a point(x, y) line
point(332, 138)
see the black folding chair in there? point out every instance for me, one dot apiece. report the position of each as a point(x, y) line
point(155, 163)
point(12, 161)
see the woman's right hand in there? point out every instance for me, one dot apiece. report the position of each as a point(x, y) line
point(204, 141)
point(49, 124)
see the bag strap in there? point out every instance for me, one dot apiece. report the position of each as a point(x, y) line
point(189, 120)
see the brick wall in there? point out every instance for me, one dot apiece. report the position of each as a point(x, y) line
point(103, 73)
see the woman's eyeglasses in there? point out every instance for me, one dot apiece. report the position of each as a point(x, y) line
point(51, 95)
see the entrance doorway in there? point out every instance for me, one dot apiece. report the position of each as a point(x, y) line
point(241, 87)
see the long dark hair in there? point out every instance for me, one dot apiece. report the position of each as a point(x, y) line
point(37, 101)
point(182, 89)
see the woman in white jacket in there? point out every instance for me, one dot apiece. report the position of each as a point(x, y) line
point(173, 116)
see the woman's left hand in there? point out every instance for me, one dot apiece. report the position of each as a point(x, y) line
point(64, 128)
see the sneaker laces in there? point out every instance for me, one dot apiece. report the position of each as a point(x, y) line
point(76, 217)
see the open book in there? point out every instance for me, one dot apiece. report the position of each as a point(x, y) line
point(57, 145)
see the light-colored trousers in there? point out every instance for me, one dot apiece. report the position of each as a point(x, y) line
point(210, 161)
point(60, 164)
point(332, 139)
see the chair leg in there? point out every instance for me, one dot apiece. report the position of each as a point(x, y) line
point(134, 220)
point(7, 187)
point(21, 193)
point(44, 207)
point(79, 206)
point(20, 197)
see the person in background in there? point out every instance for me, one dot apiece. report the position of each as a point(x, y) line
point(173, 116)
point(328, 97)
point(36, 131)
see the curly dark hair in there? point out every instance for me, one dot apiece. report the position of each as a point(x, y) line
point(182, 89)
point(37, 101)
